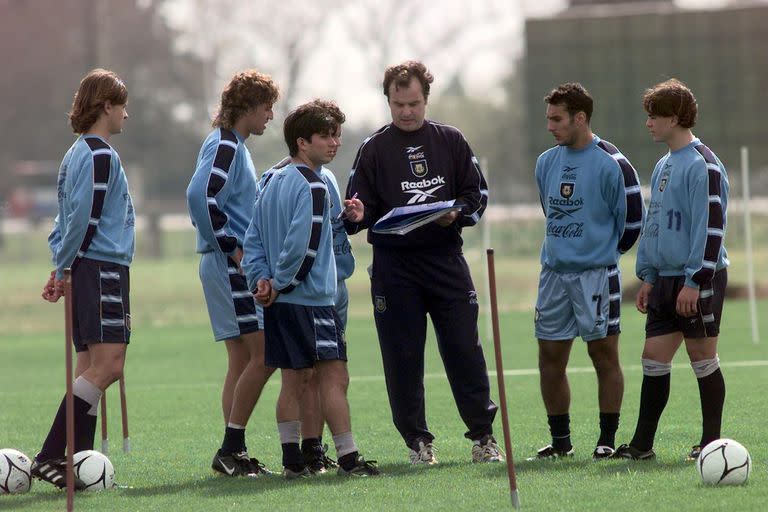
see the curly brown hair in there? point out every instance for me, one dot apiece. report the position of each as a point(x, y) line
point(401, 75)
point(672, 98)
point(574, 96)
point(244, 92)
point(97, 88)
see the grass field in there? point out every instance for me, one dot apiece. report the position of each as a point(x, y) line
point(174, 373)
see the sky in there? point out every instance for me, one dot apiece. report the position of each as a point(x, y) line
point(482, 41)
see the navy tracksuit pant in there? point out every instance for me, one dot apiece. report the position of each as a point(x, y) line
point(405, 287)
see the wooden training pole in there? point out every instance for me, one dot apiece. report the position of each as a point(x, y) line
point(104, 436)
point(124, 413)
point(70, 399)
point(500, 379)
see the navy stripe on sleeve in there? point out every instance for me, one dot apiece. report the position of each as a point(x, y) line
point(101, 153)
point(319, 191)
point(715, 221)
point(634, 215)
point(222, 162)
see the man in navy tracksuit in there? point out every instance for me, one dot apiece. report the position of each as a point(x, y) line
point(415, 161)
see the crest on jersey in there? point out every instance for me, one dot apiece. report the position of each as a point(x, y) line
point(566, 189)
point(380, 302)
point(419, 168)
point(663, 184)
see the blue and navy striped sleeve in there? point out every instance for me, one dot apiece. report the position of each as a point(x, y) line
point(207, 194)
point(707, 220)
point(87, 189)
point(54, 239)
point(629, 203)
point(254, 262)
point(471, 188)
point(302, 240)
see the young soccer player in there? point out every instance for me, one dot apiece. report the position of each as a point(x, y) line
point(94, 236)
point(682, 262)
point(220, 197)
point(289, 263)
point(593, 207)
point(312, 421)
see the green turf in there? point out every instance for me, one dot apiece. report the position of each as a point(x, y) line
point(174, 374)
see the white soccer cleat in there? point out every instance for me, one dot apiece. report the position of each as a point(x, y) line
point(486, 450)
point(425, 455)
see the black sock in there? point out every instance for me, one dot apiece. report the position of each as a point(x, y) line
point(348, 461)
point(234, 441)
point(292, 458)
point(712, 393)
point(609, 424)
point(311, 449)
point(85, 425)
point(653, 399)
point(56, 442)
point(559, 427)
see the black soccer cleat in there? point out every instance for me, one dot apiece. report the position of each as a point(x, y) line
point(361, 468)
point(603, 452)
point(318, 462)
point(695, 452)
point(238, 464)
point(626, 451)
point(549, 452)
point(54, 471)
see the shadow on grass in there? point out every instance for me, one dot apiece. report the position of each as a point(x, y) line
point(608, 467)
point(24, 501)
point(216, 484)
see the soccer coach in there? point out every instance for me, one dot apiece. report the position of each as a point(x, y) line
point(415, 161)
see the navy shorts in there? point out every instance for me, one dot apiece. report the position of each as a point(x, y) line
point(100, 303)
point(662, 308)
point(298, 336)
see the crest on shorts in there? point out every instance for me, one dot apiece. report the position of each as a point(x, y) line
point(419, 168)
point(663, 184)
point(380, 302)
point(536, 315)
point(128, 322)
point(566, 189)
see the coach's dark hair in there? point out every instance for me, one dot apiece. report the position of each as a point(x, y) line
point(96, 89)
point(244, 92)
point(401, 75)
point(672, 98)
point(307, 120)
point(574, 96)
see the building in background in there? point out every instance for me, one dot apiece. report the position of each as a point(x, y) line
point(618, 49)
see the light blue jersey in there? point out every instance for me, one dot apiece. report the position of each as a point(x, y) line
point(593, 206)
point(289, 238)
point(222, 191)
point(96, 218)
point(683, 234)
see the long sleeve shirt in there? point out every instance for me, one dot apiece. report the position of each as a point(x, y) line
point(222, 191)
point(592, 203)
point(289, 238)
point(96, 217)
point(684, 232)
point(398, 168)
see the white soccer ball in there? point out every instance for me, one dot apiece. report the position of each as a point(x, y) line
point(724, 462)
point(94, 469)
point(14, 472)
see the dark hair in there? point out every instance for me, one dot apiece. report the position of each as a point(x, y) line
point(96, 88)
point(401, 75)
point(307, 120)
point(333, 110)
point(574, 96)
point(672, 98)
point(244, 92)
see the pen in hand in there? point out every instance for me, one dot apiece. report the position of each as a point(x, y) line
point(344, 210)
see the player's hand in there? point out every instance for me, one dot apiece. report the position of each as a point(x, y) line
point(687, 300)
point(641, 301)
point(354, 210)
point(273, 293)
point(447, 219)
point(238, 257)
point(53, 289)
point(263, 290)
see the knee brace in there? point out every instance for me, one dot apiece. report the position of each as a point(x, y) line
point(705, 367)
point(653, 368)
